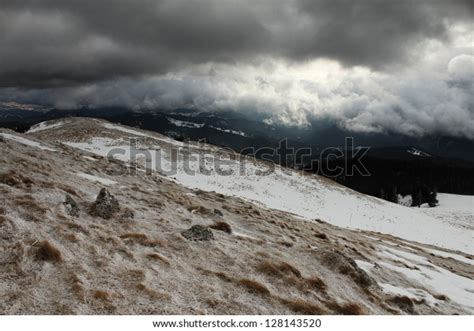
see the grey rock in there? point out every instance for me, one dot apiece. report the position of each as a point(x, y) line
point(72, 209)
point(218, 212)
point(128, 214)
point(198, 233)
point(105, 205)
point(346, 265)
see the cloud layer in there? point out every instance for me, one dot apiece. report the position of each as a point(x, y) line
point(371, 65)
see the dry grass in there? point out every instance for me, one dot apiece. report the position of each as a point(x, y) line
point(219, 274)
point(152, 293)
point(158, 257)
point(138, 237)
point(142, 239)
point(321, 235)
point(285, 243)
point(77, 227)
point(291, 276)
point(71, 237)
point(79, 290)
point(28, 203)
point(66, 189)
point(77, 287)
point(303, 307)
point(316, 283)
point(3, 218)
point(155, 243)
point(278, 269)
point(347, 309)
point(254, 286)
point(404, 303)
point(441, 297)
point(222, 226)
point(346, 266)
point(10, 179)
point(135, 274)
point(200, 210)
point(101, 295)
point(15, 180)
point(47, 252)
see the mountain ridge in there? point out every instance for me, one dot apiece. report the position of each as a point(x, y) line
point(270, 261)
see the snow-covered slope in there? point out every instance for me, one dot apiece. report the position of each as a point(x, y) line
point(263, 259)
point(308, 196)
point(454, 211)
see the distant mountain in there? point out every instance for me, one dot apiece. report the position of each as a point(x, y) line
point(394, 160)
point(238, 131)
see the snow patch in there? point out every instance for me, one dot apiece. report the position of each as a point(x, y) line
point(141, 134)
point(417, 152)
point(413, 293)
point(26, 142)
point(185, 124)
point(93, 178)
point(457, 288)
point(457, 257)
point(239, 133)
point(44, 126)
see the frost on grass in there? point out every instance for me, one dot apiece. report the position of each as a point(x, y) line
point(48, 252)
point(261, 261)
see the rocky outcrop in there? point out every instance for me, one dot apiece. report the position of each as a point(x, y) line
point(346, 266)
point(106, 205)
point(72, 209)
point(198, 233)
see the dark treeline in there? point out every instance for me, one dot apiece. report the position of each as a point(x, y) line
point(421, 178)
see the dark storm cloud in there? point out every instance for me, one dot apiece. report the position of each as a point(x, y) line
point(375, 32)
point(59, 43)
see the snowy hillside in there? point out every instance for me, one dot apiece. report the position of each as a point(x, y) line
point(308, 196)
point(283, 243)
point(453, 210)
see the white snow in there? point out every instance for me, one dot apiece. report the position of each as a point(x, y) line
point(185, 124)
point(364, 265)
point(93, 178)
point(453, 210)
point(405, 200)
point(26, 142)
point(451, 255)
point(90, 158)
point(413, 293)
point(141, 134)
point(44, 126)
point(125, 130)
point(307, 196)
point(417, 152)
point(454, 203)
point(400, 255)
point(101, 146)
point(457, 288)
point(239, 133)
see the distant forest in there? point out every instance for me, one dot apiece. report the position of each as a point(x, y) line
point(421, 178)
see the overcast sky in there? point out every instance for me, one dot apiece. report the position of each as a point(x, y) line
point(370, 65)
